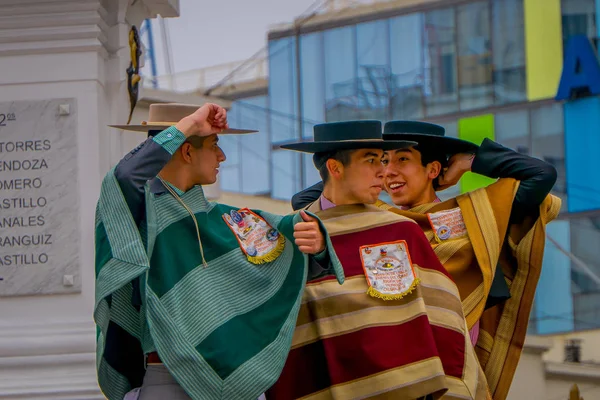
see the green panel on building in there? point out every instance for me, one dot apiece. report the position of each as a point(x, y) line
point(475, 129)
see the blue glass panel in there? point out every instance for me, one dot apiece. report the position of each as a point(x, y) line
point(286, 165)
point(311, 174)
point(407, 67)
point(440, 62)
point(453, 191)
point(548, 144)
point(282, 84)
point(229, 173)
point(579, 18)
point(512, 130)
point(508, 46)
point(230, 179)
point(553, 300)
point(585, 272)
point(313, 81)
point(340, 74)
point(597, 14)
point(372, 50)
point(255, 148)
point(474, 55)
point(582, 145)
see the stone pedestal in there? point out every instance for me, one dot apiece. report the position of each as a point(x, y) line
point(62, 80)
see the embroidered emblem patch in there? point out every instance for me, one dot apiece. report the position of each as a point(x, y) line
point(448, 225)
point(258, 240)
point(388, 269)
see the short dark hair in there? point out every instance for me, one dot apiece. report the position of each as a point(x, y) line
point(430, 154)
point(196, 141)
point(320, 161)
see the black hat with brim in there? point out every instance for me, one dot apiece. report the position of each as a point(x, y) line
point(348, 135)
point(427, 135)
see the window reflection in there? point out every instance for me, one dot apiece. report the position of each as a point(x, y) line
point(454, 191)
point(282, 82)
point(585, 272)
point(340, 73)
point(407, 67)
point(254, 148)
point(474, 55)
point(311, 174)
point(512, 130)
point(229, 173)
point(547, 129)
point(313, 81)
point(553, 311)
point(508, 33)
point(578, 18)
point(374, 84)
point(440, 62)
point(286, 165)
point(229, 178)
point(246, 169)
point(570, 254)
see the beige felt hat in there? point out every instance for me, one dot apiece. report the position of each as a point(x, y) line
point(165, 115)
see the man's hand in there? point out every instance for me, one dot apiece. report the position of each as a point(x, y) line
point(308, 235)
point(207, 120)
point(457, 166)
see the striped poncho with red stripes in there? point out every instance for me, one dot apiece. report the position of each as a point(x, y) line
point(353, 341)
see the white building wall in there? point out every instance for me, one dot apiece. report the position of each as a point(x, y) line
point(54, 50)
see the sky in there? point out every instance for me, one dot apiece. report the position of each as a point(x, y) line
point(217, 32)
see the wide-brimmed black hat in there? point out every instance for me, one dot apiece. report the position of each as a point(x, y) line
point(348, 135)
point(430, 136)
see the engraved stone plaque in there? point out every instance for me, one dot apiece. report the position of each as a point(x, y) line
point(39, 198)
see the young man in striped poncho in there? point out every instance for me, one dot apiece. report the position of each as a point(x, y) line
point(491, 240)
point(194, 299)
point(396, 328)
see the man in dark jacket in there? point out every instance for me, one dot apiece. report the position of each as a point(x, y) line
point(490, 240)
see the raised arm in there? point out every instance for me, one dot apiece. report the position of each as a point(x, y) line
point(143, 164)
point(536, 176)
point(493, 160)
point(145, 161)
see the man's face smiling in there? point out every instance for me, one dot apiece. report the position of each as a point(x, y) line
point(406, 180)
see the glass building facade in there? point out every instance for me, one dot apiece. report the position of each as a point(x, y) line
point(487, 68)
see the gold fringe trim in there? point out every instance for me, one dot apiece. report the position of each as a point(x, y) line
point(374, 293)
point(270, 256)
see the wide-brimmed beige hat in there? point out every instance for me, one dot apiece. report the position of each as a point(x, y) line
point(165, 115)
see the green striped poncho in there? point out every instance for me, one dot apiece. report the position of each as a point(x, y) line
point(223, 330)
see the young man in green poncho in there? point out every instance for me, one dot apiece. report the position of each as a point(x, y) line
point(194, 299)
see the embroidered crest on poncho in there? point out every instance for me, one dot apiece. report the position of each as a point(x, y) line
point(389, 270)
point(448, 224)
point(258, 240)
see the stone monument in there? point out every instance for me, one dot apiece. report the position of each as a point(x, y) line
point(39, 201)
point(63, 78)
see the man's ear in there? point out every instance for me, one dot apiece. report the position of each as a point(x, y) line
point(335, 168)
point(434, 169)
point(185, 150)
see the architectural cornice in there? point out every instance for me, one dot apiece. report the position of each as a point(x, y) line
point(579, 371)
point(164, 8)
point(38, 27)
point(48, 361)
